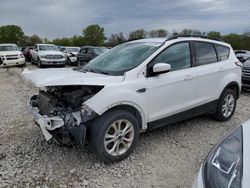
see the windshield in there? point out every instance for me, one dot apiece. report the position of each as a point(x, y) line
point(122, 58)
point(70, 50)
point(99, 51)
point(48, 48)
point(8, 48)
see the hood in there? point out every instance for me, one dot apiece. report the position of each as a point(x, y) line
point(10, 52)
point(75, 53)
point(68, 76)
point(50, 53)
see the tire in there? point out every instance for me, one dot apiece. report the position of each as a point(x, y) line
point(78, 63)
point(32, 61)
point(24, 65)
point(225, 109)
point(39, 64)
point(68, 62)
point(118, 146)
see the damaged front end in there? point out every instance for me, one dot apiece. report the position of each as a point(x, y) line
point(61, 113)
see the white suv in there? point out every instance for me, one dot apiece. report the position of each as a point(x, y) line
point(135, 87)
point(10, 55)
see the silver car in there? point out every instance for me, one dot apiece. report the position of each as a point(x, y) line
point(228, 163)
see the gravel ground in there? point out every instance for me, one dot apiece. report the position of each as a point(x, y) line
point(166, 157)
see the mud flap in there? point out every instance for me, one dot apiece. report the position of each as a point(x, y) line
point(78, 133)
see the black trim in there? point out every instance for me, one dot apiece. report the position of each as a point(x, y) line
point(141, 90)
point(183, 115)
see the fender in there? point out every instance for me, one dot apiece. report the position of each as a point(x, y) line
point(231, 78)
point(116, 97)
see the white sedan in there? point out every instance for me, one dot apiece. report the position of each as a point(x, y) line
point(227, 164)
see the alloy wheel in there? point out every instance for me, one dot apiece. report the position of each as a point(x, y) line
point(228, 105)
point(119, 137)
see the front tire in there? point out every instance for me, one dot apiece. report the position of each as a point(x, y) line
point(226, 105)
point(114, 135)
point(39, 63)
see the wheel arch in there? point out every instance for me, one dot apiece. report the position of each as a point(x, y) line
point(234, 86)
point(133, 109)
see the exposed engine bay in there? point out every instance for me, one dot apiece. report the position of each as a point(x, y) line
point(63, 111)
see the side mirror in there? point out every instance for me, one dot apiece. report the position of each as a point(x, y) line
point(161, 68)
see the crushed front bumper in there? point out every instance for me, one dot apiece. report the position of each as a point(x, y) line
point(55, 127)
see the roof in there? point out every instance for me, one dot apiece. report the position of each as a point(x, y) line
point(71, 47)
point(179, 38)
point(7, 44)
point(46, 44)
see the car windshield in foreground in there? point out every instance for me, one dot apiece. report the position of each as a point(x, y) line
point(70, 50)
point(8, 48)
point(122, 58)
point(48, 48)
point(99, 51)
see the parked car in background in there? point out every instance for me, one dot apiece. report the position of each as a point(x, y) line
point(244, 57)
point(47, 54)
point(11, 56)
point(228, 163)
point(87, 53)
point(26, 53)
point(137, 86)
point(71, 55)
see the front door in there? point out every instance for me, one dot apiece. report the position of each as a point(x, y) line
point(173, 92)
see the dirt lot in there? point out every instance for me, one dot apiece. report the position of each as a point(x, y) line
point(167, 157)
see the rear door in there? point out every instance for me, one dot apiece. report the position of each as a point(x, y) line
point(208, 72)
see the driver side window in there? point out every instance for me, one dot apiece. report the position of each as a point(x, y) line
point(177, 55)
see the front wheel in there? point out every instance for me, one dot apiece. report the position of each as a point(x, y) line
point(226, 105)
point(114, 135)
point(39, 63)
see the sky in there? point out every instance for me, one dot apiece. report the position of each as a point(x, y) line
point(65, 18)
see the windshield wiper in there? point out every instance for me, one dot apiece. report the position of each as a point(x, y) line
point(95, 71)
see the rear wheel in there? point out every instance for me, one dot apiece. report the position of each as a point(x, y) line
point(114, 135)
point(226, 105)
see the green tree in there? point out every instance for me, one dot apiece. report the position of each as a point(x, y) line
point(35, 39)
point(234, 40)
point(158, 33)
point(214, 34)
point(186, 32)
point(116, 39)
point(192, 32)
point(11, 34)
point(77, 41)
point(94, 35)
point(62, 42)
point(137, 34)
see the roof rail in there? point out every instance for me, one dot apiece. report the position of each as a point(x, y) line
point(195, 36)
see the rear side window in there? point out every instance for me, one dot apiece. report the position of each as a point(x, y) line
point(223, 52)
point(204, 53)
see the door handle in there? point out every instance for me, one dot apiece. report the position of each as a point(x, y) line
point(142, 90)
point(189, 77)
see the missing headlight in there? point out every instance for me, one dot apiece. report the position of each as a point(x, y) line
point(223, 165)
